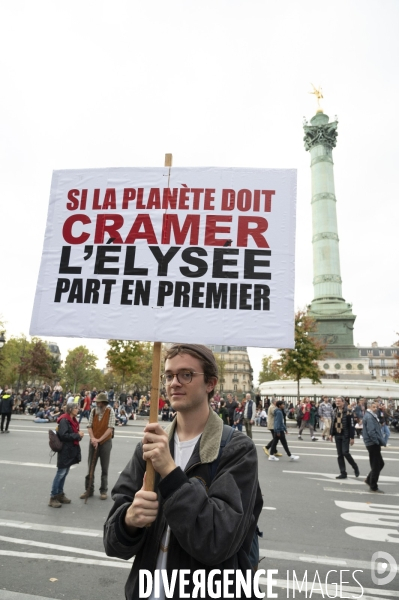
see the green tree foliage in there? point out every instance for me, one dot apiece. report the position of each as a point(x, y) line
point(270, 370)
point(11, 354)
point(221, 363)
point(130, 363)
point(80, 370)
point(300, 362)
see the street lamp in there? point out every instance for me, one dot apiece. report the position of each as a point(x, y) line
point(2, 340)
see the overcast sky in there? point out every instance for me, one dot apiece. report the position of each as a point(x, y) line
point(216, 83)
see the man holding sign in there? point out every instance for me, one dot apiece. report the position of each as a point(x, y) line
point(200, 521)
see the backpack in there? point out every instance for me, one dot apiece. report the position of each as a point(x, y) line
point(54, 441)
point(253, 555)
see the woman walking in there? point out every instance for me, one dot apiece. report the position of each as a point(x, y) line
point(70, 435)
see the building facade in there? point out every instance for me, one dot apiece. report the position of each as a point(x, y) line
point(235, 371)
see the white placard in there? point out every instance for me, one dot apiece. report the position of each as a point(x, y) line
point(201, 255)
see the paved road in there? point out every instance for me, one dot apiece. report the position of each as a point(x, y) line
point(311, 522)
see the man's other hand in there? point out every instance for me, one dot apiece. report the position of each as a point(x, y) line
point(143, 510)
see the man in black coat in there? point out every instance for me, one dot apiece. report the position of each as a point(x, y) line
point(192, 521)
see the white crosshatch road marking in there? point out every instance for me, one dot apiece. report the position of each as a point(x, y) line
point(365, 506)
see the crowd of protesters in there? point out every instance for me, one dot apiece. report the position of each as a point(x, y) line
point(46, 404)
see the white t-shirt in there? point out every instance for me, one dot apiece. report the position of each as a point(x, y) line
point(183, 452)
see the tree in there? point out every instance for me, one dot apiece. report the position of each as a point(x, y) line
point(271, 370)
point(301, 362)
point(219, 357)
point(142, 378)
point(36, 362)
point(11, 354)
point(80, 369)
point(130, 361)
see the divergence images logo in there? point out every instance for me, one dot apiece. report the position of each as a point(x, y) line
point(380, 563)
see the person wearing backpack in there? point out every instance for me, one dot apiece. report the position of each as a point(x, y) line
point(70, 436)
point(203, 513)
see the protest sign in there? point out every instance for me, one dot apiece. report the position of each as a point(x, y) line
point(176, 254)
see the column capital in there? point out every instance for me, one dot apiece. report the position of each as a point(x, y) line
point(320, 133)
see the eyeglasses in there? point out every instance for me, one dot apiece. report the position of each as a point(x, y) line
point(181, 376)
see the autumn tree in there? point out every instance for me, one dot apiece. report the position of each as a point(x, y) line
point(80, 369)
point(131, 362)
point(271, 370)
point(36, 362)
point(300, 362)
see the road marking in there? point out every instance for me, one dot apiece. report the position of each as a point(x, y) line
point(374, 534)
point(27, 464)
point(368, 507)
point(132, 437)
point(356, 456)
point(269, 508)
point(71, 559)
point(51, 528)
point(371, 519)
point(327, 489)
point(343, 481)
point(334, 475)
point(56, 547)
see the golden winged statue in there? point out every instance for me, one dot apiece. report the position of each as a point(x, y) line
point(319, 95)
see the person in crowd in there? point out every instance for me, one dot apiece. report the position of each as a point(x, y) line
point(121, 419)
point(343, 430)
point(70, 436)
point(6, 404)
point(257, 415)
point(111, 397)
point(280, 431)
point(57, 392)
point(101, 428)
point(270, 424)
point(129, 407)
point(161, 404)
point(238, 417)
point(231, 406)
point(165, 411)
point(325, 414)
point(263, 418)
point(358, 415)
point(308, 418)
point(384, 419)
point(85, 412)
point(171, 527)
point(223, 413)
point(249, 414)
point(373, 438)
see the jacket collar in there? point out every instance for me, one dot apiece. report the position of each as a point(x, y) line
point(209, 443)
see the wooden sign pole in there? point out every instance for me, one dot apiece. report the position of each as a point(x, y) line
point(155, 381)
